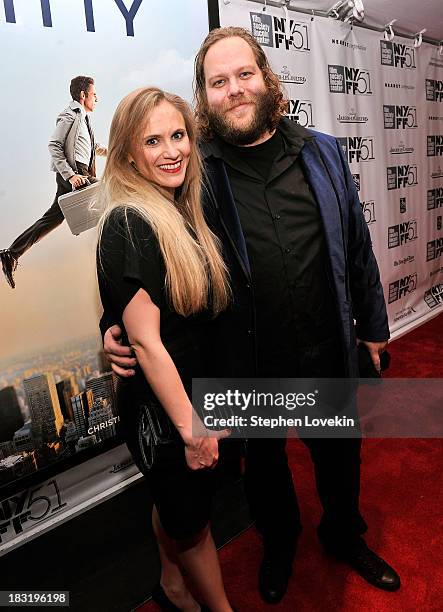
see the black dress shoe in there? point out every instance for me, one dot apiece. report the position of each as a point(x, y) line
point(370, 566)
point(273, 578)
point(9, 265)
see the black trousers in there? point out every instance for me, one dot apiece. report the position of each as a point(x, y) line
point(52, 218)
point(268, 480)
point(273, 501)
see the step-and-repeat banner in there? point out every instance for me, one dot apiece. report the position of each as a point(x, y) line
point(57, 405)
point(383, 100)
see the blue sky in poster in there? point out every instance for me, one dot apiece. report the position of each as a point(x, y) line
point(55, 297)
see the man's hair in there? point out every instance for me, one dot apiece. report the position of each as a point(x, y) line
point(270, 78)
point(79, 84)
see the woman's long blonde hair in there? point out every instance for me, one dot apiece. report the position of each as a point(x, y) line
point(196, 275)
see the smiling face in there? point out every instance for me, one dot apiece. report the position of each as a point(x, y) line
point(162, 149)
point(239, 103)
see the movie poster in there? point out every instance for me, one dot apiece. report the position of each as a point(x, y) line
point(57, 397)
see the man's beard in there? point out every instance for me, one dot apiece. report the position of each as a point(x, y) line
point(259, 125)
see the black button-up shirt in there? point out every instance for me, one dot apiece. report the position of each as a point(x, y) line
point(284, 239)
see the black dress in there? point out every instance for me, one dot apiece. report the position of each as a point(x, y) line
point(129, 259)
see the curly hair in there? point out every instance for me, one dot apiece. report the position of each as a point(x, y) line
point(270, 78)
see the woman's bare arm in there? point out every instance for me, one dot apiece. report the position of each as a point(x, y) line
point(141, 319)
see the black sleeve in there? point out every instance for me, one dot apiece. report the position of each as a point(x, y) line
point(108, 318)
point(129, 258)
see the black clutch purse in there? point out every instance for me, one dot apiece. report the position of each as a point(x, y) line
point(154, 431)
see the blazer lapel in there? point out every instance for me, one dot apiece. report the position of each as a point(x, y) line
point(225, 204)
point(318, 178)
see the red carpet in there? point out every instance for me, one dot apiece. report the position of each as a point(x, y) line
point(401, 501)
point(419, 354)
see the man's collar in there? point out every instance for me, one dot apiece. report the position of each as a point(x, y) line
point(76, 106)
point(294, 135)
point(210, 148)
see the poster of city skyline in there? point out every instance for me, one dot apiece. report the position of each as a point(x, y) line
point(53, 405)
point(57, 401)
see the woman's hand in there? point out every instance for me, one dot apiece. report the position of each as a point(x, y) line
point(141, 319)
point(202, 452)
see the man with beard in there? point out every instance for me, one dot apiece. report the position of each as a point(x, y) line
point(282, 201)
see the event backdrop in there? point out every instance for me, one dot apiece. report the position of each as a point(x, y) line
point(383, 100)
point(56, 400)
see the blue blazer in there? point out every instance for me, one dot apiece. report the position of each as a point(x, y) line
point(353, 268)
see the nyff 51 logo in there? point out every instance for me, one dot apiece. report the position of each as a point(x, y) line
point(434, 296)
point(302, 112)
point(401, 176)
point(17, 510)
point(434, 145)
point(368, 209)
point(394, 54)
point(399, 117)
point(293, 35)
point(401, 287)
point(435, 198)
point(434, 249)
point(434, 90)
point(357, 148)
point(277, 32)
point(347, 80)
point(402, 233)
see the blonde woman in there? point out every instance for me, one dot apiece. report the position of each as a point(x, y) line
point(161, 273)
